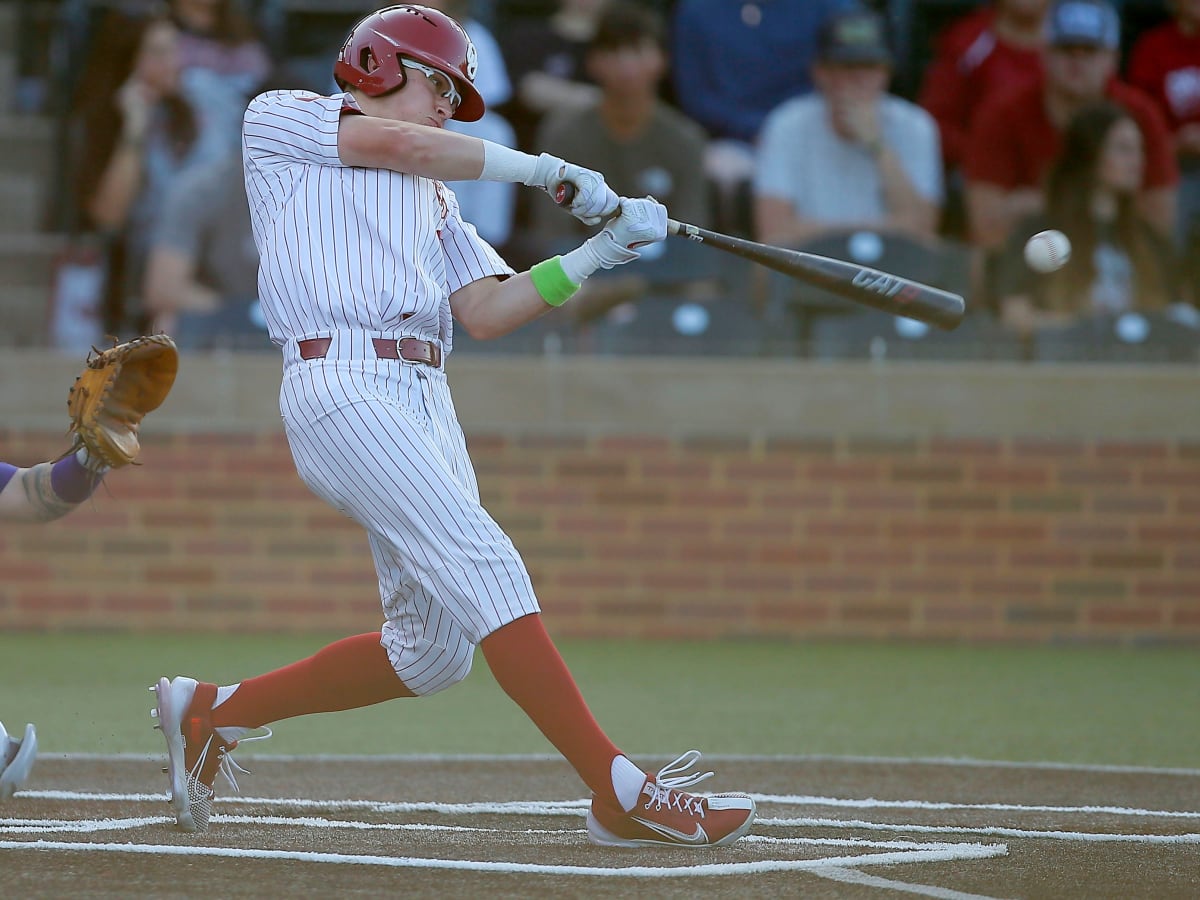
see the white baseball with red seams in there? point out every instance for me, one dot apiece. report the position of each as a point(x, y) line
point(1047, 251)
point(354, 254)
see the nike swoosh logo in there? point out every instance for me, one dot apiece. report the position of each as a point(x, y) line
point(700, 837)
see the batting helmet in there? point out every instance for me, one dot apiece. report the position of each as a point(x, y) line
point(370, 58)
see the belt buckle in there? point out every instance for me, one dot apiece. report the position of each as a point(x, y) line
point(418, 360)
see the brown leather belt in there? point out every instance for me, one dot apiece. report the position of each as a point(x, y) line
point(408, 348)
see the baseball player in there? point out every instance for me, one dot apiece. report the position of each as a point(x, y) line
point(39, 493)
point(365, 261)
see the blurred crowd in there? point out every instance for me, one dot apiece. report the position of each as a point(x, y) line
point(793, 122)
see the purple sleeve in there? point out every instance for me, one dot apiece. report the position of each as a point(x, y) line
point(6, 474)
point(71, 481)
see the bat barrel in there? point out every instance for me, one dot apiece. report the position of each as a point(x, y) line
point(862, 284)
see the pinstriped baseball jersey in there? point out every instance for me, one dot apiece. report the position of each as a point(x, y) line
point(353, 254)
point(346, 248)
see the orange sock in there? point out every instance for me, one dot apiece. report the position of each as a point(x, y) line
point(348, 674)
point(527, 665)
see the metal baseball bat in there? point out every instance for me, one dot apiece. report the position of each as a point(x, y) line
point(862, 284)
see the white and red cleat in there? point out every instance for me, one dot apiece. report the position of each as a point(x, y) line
point(667, 815)
point(195, 751)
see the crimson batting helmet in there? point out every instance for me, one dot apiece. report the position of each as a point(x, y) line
point(370, 58)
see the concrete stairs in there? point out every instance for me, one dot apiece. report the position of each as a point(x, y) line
point(27, 253)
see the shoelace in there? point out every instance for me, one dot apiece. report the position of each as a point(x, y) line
point(226, 764)
point(667, 787)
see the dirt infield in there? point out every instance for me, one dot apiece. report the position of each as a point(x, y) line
point(513, 827)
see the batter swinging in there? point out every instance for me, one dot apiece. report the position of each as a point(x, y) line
point(365, 260)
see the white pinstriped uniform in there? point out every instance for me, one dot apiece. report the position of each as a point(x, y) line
point(354, 254)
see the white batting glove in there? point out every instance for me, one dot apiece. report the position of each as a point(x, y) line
point(594, 201)
point(641, 222)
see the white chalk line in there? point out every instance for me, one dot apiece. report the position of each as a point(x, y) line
point(872, 803)
point(854, 876)
point(996, 831)
point(576, 808)
point(95, 826)
point(960, 761)
point(957, 852)
point(573, 807)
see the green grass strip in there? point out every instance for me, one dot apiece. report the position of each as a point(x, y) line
point(1106, 705)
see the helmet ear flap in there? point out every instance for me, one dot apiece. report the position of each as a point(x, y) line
point(367, 61)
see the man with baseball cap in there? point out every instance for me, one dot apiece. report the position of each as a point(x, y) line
point(1016, 136)
point(832, 158)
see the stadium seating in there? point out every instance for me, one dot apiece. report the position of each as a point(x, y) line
point(1159, 337)
point(944, 264)
point(877, 335)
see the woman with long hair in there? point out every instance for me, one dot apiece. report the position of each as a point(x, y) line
point(1118, 261)
point(137, 129)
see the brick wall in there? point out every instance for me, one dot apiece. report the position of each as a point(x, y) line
point(984, 539)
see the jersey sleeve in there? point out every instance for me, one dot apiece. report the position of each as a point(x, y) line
point(286, 127)
point(468, 256)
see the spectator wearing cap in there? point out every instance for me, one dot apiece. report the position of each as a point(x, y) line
point(1015, 137)
point(848, 154)
point(640, 144)
point(1165, 63)
point(732, 62)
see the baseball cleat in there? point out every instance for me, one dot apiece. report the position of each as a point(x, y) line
point(16, 760)
point(667, 815)
point(195, 751)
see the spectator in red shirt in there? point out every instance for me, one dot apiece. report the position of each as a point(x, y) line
point(1015, 137)
point(989, 51)
point(1165, 63)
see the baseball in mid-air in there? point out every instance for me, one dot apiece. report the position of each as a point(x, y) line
point(1047, 251)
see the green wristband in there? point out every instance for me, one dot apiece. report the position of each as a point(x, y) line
point(552, 282)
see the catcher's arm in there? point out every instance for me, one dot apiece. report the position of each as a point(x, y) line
point(46, 491)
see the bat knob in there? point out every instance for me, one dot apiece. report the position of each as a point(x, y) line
point(564, 193)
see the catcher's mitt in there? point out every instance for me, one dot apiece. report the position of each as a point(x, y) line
point(112, 395)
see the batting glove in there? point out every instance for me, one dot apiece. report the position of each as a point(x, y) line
point(594, 201)
point(641, 222)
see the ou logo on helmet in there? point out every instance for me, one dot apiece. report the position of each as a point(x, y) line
point(472, 56)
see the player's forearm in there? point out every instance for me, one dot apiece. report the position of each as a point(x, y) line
point(423, 150)
point(430, 152)
point(47, 491)
point(501, 308)
point(491, 308)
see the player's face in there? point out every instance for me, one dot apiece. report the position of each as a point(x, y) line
point(428, 97)
point(1122, 159)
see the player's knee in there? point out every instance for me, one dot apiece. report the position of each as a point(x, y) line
point(437, 668)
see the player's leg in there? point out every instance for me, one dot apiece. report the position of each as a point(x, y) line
point(630, 807)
